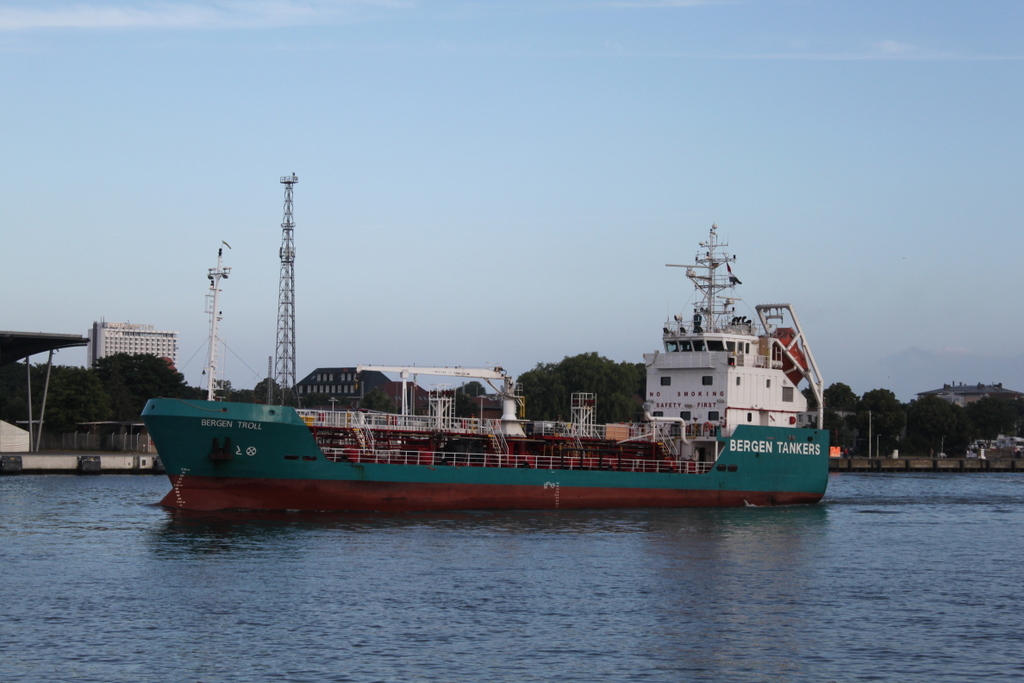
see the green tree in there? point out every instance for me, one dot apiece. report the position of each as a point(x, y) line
point(259, 392)
point(841, 434)
point(992, 416)
point(13, 394)
point(467, 399)
point(885, 423)
point(76, 395)
point(839, 396)
point(376, 399)
point(321, 401)
point(131, 380)
point(619, 387)
point(935, 425)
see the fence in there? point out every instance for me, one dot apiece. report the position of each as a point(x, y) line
point(85, 441)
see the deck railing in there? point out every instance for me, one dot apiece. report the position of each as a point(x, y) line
point(352, 419)
point(543, 462)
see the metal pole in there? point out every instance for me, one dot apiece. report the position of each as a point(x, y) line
point(270, 380)
point(869, 433)
point(28, 375)
point(42, 408)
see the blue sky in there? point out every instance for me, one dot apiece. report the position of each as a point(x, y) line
point(503, 182)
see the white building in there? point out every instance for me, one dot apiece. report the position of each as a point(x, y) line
point(106, 339)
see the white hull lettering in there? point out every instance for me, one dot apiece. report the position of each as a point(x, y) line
point(784, 447)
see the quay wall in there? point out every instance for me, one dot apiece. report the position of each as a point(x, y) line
point(966, 465)
point(93, 463)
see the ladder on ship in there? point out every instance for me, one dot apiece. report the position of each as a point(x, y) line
point(497, 438)
point(363, 435)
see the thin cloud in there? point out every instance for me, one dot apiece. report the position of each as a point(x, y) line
point(162, 15)
point(642, 4)
point(891, 47)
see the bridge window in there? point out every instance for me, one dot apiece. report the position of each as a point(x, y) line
point(685, 414)
point(787, 394)
point(685, 346)
point(750, 417)
point(768, 383)
point(698, 345)
point(737, 380)
point(707, 380)
point(671, 346)
point(716, 345)
point(730, 346)
point(666, 381)
point(658, 413)
point(713, 415)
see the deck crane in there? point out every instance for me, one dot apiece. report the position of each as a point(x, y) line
point(510, 425)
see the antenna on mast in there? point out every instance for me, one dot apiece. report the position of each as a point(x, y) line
point(285, 349)
point(709, 314)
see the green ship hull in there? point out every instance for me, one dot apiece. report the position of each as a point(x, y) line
point(244, 456)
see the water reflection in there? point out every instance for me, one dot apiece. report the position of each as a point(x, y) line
point(222, 530)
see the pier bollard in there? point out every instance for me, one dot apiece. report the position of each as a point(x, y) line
point(89, 464)
point(10, 464)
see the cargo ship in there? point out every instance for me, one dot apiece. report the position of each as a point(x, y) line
point(721, 427)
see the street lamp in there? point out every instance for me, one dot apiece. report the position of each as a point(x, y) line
point(869, 433)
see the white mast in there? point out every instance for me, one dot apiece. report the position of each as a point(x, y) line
point(707, 315)
point(213, 308)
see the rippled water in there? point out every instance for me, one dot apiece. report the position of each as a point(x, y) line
point(893, 577)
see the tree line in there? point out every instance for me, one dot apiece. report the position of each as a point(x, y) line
point(117, 388)
point(926, 426)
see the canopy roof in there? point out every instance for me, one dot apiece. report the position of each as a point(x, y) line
point(15, 346)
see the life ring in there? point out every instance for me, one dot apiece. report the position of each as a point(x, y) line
point(792, 419)
point(708, 428)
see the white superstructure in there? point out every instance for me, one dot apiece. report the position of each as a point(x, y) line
point(717, 369)
point(106, 339)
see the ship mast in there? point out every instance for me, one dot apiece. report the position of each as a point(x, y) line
point(213, 308)
point(710, 281)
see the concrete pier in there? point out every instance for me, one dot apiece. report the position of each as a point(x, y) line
point(925, 465)
point(80, 463)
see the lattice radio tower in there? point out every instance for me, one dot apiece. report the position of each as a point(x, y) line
point(285, 350)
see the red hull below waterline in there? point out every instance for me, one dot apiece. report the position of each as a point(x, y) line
point(216, 493)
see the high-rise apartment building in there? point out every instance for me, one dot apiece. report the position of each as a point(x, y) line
point(106, 339)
